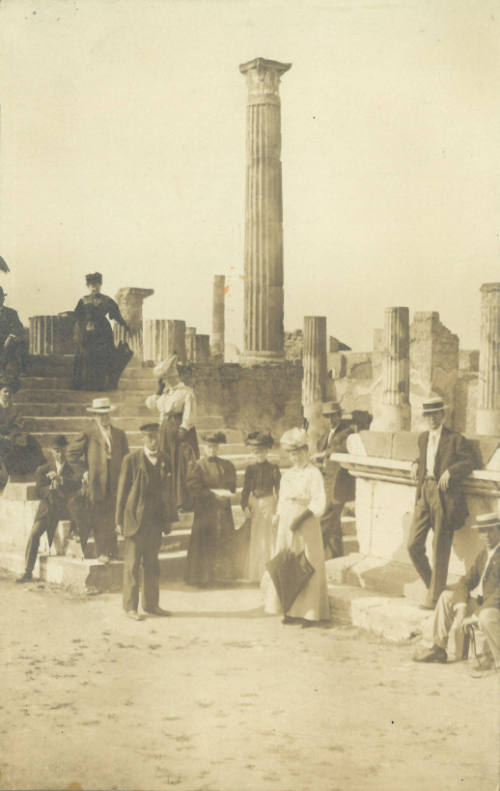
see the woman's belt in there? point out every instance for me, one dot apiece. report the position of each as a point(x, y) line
point(259, 493)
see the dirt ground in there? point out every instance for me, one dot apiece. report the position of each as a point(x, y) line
point(221, 697)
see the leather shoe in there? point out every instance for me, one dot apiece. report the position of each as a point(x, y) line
point(158, 611)
point(134, 615)
point(287, 620)
point(433, 654)
point(25, 578)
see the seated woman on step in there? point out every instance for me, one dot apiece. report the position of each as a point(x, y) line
point(20, 453)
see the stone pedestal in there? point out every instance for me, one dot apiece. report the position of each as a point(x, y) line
point(488, 405)
point(434, 362)
point(392, 413)
point(314, 383)
point(190, 344)
point(51, 334)
point(218, 318)
point(130, 303)
point(163, 337)
point(263, 303)
point(202, 354)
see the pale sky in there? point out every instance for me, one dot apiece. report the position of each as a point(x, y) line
point(123, 150)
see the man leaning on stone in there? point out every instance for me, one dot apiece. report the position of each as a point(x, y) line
point(445, 459)
point(56, 484)
point(476, 598)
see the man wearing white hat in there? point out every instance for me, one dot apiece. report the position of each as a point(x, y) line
point(445, 459)
point(176, 404)
point(98, 454)
point(477, 595)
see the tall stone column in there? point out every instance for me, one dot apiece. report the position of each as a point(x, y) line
point(163, 337)
point(263, 303)
point(314, 382)
point(488, 402)
point(190, 344)
point(202, 348)
point(130, 303)
point(218, 318)
point(393, 412)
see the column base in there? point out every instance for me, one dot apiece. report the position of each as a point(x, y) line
point(488, 422)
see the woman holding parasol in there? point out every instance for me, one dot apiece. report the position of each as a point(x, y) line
point(301, 503)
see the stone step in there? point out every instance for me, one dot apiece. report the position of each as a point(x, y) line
point(68, 410)
point(176, 541)
point(229, 450)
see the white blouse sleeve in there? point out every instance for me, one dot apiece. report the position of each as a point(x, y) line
point(317, 503)
point(189, 411)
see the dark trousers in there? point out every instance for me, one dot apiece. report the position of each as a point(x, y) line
point(331, 528)
point(47, 523)
point(429, 514)
point(103, 518)
point(142, 548)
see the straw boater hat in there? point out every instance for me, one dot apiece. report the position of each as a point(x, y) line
point(332, 408)
point(486, 521)
point(431, 405)
point(294, 439)
point(166, 368)
point(100, 406)
point(214, 438)
point(257, 439)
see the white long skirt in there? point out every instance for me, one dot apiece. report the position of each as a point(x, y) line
point(312, 602)
point(262, 536)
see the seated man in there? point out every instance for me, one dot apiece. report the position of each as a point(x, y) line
point(20, 453)
point(477, 595)
point(12, 341)
point(56, 484)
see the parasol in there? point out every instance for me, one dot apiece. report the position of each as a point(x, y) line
point(290, 573)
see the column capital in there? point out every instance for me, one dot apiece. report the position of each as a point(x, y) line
point(263, 78)
point(489, 288)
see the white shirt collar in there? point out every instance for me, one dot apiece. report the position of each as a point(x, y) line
point(153, 459)
point(437, 432)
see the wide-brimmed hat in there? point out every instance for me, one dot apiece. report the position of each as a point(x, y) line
point(100, 406)
point(214, 438)
point(166, 368)
point(332, 408)
point(257, 439)
point(431, 405)
point(93, 277)
point(149, 428)
point(294, 439)
point(486, 521)
point(59, 441)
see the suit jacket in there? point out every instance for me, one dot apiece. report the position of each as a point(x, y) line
point(10, 324)
point(49, 498)
point(339, 484)
point(132, 488)
point(454, 453)
point(491, 582)
point(88, 452)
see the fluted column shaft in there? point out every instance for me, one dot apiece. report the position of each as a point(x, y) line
point(394, 413)
point(488, 404)
point(218, 317)
point(163, 337)
point(190, 344)
point(314, 382)
point(263, 302)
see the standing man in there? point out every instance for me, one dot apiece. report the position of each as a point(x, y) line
point(12, 342)
point(55, 484)
point(339, 484)
point(144, 509)
point(445, 459)
point(98, 454)
point(476, 596)
point(178, 440)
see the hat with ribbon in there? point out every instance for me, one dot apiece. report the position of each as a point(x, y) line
point(332, 408)
point(431, 405)
point(214, 438)
point(149, 428)
point(258, 439)
point(100, 406)
point(294, 439)
point(486, 521)
point(166, 368)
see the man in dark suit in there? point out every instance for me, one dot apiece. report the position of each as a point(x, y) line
point(12, 342)
point(98, 454)
point(445, 459)
point(145, 507)
point(339, 484)
point(56, 483)
point(477, 594)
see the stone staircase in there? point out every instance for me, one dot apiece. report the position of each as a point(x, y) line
point(51, 407)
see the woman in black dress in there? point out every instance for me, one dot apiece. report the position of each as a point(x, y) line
point(97, 362)
point(211, 480)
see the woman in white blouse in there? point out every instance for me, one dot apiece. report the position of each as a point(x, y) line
point(301, 502)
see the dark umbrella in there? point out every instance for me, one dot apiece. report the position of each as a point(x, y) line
point(290, 573)
point(3, 265)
